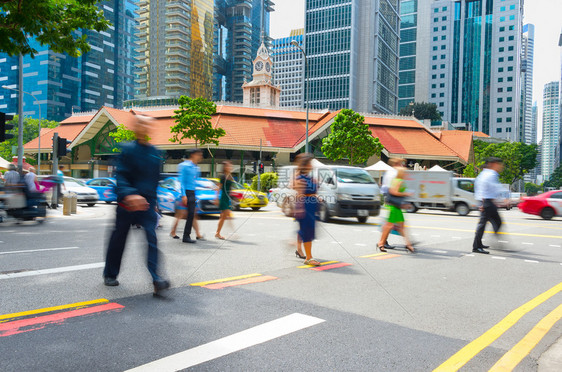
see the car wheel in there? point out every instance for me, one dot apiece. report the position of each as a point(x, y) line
point(256, 208)
point(411, 208)
point(362, 219)
point(324, 213)
point(108, 202)
point(235, 206)
point(91, 204)
point(462, 209)
point(547, 213)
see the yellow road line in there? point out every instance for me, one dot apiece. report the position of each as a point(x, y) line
point(201, 284)
point(513, 357)
point(76, 305)
point(374, 255)
point(488, 232)
point(472, 349)
point(321, 264)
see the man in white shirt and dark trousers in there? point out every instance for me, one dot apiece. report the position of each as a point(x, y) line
point(487, 189)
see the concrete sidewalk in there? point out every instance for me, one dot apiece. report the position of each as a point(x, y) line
point(551, 360)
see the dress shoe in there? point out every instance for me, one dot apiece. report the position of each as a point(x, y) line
point(388, 246)
point(110, 282)
point(189, 240)
point(480, 250)
point(160, 286)
point(484, 246)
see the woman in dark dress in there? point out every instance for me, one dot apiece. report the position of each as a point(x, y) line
point(305, 207)
point(223, 196)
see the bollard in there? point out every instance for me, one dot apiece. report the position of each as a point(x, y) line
point(66, 204)
point(73, 202)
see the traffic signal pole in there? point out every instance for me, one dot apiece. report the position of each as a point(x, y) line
point(55, 196)
point(259, 170)
point(20, 114)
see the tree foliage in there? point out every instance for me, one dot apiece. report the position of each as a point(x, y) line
point(30, 131)
point(422, 111)
point(51, 22)
point(532, 189)
point(519, 159)
point(268, 181)
point(122, 134)
point(351, 139)
point(193, 120)
point(555, 179)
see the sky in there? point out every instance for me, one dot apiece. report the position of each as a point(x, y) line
point(544, 14)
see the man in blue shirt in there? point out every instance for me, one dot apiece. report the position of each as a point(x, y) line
point(137, 176)
point(189, 172)
point(487, 189)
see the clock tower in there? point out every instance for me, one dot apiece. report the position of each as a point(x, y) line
point(261, 91)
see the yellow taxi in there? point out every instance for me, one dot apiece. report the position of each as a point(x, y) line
point(244, 197)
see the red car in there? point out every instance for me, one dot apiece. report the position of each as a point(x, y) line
point(546, 205)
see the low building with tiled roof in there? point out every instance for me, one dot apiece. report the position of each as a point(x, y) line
point(280, 134)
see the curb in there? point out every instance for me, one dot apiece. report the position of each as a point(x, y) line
point(551, 360)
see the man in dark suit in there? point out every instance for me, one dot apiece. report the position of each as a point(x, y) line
point(137, 175)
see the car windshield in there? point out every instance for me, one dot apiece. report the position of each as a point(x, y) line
point(73, 182)
point(353, 175)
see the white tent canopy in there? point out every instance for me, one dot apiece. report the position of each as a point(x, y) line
point(437, 168)
point(317, 164)
point(4, 163)
point(379, 166)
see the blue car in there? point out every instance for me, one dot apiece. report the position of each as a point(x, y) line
point(105, 187)
point(169, 192)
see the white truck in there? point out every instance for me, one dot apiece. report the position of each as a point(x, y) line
point(441, 191)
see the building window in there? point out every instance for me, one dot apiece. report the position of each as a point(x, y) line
point(444, 28)
point(443, 18)
point(444, 37)
point(508, 130)
point(512, 7)
point(510, 68)
point(434, 58)
point(442, 85)
point(501, 59)
point(509, 109)
point(441, 95)
point(436, 10)
point(498, 130)
point(434, 67)
point(510, 59)
point(435, 38)
point(442, 76)
point(500, 100)
point(433, 86)
point(435, 19)
point(500, 80)
point(500, 109)
point(502, 9)
point(442, 66)
point(502, 39)
point(435, 48)
point(510, 78)
point(500, 69)
point(501, 49)
point(500, 90)
point(511, 28)
point(509, 89)
point(443, 47)
point(508, 120)
point(509, 99)
point(441, 104)
point(433, 95)
point(499, 120)
point(510, 48)
point(511, 38)
point(502, 29)
point(444, 8)
point(511, 17)
point(434, 77)
point(502, 19)
point(435, 29)
point(443, 56)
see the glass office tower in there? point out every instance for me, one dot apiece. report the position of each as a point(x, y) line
point(528, 133)
point(176, 48)
point(550, 128)
point(63, 84)
point(239, 28)
point(475, 65)
point(288, 69)
point(352, 49)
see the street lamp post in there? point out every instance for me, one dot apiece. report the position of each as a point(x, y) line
point(38, 138)
point(296, 44)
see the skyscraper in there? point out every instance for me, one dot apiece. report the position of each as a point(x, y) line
point(550, 127)
point(414, 52)
point(176, 48)
point(532, 175)
point(63, 84)
point(288, 68)
point(240, 26)
point(475, 64)
point(529, 133)
point(352, 50)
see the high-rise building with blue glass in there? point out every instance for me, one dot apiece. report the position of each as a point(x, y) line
point(550, 128)
point(62, 84)
point(352, 51)
point(475, 65)
point(528, 133)
point(414, 52)
point(288, 68)
point(240, 26)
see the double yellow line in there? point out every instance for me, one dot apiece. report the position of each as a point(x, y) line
point(512, 358)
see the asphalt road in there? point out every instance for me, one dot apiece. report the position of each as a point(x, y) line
point(253, 308)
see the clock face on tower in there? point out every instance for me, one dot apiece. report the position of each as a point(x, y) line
point(267, 67)
point(259, 66)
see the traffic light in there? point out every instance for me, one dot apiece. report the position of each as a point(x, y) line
point(262, 167)
point(255, 166)
point(5, 127)
point(61, 146)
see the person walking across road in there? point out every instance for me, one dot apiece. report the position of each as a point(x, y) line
point(137, 176)
point(223, 196)
point(12, 177)
point(189, 172)
point(396, 194)
point(305, 207)
point(387, 178)
point(487, 189)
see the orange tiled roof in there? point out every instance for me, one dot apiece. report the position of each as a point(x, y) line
point(480, 134)
point(459, 141)
point(68, 131)
point(78, 119)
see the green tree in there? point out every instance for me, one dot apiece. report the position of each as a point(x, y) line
point(350, 138)
point(519, 159)
point(268, 181)
point(555, 179)
point(51, 22)
point(532, 189)
point(122, 134)
point(193, 120)
point(422, 111)
point(30, 131)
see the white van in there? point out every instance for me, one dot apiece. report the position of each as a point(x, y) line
point(343, 191)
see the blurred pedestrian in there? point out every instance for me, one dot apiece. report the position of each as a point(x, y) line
point(223, 196)
point(30, 180)
point(189, 172)
point(137, 176)
point(387, 178)
point(487, 189)
point(305, 207)
point(395, 200)
point(11, 177)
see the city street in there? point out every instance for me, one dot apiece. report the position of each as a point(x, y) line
point(248, 304)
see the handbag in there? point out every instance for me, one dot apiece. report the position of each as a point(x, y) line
point(394, 200)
